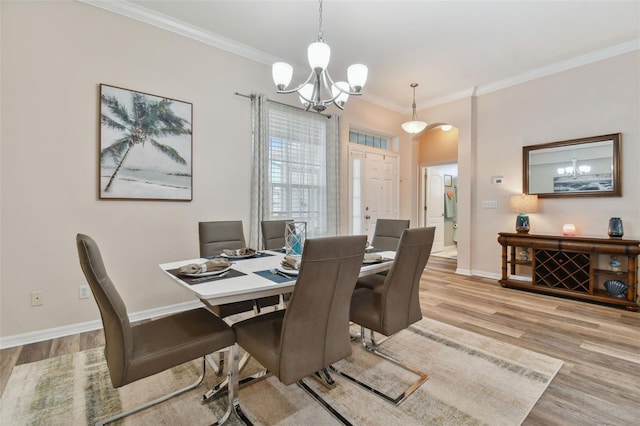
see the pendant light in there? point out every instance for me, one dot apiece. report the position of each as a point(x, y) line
point(414, 126)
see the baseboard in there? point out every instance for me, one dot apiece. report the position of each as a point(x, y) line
point(67, 330)
point(484, 274)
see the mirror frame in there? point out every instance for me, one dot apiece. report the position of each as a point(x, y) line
point(617, 167)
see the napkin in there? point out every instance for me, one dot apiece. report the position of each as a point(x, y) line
point(245, 251)
point(372, 256)
point(291, 262)
point(209, 266)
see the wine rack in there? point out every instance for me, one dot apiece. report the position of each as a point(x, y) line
point(569, 266)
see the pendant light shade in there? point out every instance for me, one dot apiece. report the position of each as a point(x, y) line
point(414, 126)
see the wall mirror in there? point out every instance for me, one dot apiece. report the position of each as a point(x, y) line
point(573, 168)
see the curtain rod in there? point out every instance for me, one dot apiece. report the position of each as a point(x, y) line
point(252, 96)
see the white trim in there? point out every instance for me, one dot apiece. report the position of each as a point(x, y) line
point(67, 330)
point(534, 74)
point(484, 274)
point(142, 14)
point(461, 271)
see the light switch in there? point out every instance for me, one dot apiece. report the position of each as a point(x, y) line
point(489, 204)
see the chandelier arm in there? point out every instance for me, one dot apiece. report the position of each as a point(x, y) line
point(300, 86)
point(348, 92)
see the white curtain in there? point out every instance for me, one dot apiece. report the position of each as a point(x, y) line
point(296, 168)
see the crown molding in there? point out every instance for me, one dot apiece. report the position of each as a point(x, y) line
point(534, 74)
point(139, 13)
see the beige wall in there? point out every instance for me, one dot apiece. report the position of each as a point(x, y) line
point(439, 147)
point(596, 99)
point(54, 56)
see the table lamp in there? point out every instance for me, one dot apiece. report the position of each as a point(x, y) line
point(523, 204)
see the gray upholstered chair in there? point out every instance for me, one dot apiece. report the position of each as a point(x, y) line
point(388, 304)
point(136, 351)
point(273, 233)
point(387, 233)
point(214, 237)
point(313, 332)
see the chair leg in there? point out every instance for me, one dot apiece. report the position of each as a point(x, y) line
point(158, 400)
point(373, 348)
point(324, 377)
point(324, 403)
point(217, 366)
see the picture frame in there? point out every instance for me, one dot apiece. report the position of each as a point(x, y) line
point(448, 180)
point(585, 167)
point(146, 143)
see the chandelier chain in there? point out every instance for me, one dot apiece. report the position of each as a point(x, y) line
point(320, 35)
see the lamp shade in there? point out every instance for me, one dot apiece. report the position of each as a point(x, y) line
point(282, 73)
point(415, 126)
point(357, 76)
point(523, 203)
point(318, 54)
point(341, 97)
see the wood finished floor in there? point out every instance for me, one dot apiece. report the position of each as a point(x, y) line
point(599, 383)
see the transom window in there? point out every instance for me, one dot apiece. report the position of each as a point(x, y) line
point(368, 140)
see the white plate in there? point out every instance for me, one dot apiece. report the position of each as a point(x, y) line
point(292, 272)
point(242, 256)
point(208, 274)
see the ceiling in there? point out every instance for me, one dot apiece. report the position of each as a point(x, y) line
point(448, 47)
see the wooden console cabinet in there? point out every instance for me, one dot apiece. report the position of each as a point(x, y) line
point(570, 266)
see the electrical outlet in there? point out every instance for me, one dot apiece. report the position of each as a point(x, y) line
point(83, 291)
point(36, 298)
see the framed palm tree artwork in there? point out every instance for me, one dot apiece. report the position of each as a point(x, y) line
point(145, 146)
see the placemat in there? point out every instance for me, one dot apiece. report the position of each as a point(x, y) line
point(274, 277)
point(199, 280)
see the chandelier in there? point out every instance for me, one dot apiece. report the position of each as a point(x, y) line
point(574, 170)
point(414, 126)
point(319, 90)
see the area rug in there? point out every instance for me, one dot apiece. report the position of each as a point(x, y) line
point(473, 380)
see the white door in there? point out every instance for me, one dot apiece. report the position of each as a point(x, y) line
point(374, 189)
point(435, 206)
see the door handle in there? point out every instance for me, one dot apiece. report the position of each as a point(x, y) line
point(367, 217)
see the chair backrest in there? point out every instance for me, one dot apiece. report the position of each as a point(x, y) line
point(273, 233)
point(400, 293)
point(315, 331)
point(117, 330)
point(216, 236)
point(388, 232)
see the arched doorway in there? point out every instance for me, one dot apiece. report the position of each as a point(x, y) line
point(438, 156)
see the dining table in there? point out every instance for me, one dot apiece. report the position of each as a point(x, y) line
point(250, 277)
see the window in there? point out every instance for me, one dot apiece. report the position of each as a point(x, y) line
point(299, 164)
point(368, 140)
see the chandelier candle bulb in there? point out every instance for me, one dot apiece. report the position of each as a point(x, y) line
point(569, 229)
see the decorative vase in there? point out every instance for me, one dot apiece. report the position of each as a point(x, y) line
point(615, 227)
point(295, 235)
point(614, 264)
